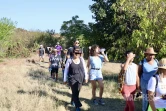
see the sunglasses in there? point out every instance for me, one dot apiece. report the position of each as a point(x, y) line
point(77, 43)
point(151, 54)
point(77, 53)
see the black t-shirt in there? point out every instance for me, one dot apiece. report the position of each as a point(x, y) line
point(70, 52)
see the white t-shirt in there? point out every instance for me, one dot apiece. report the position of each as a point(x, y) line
point(160, 90)
point(131, 74)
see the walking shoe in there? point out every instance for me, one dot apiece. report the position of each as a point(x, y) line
point(73, 104)
point(78, 109)
point(56, 80)
point(95, 102)
point(101, 102)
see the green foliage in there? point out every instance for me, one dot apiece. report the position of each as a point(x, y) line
point(113, 27)
point(6, 28)
point(129, 25)
point(75, 29)
point(24, 42)
point(151, 28)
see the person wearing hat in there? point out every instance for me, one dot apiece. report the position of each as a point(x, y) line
point(157, 89)
point(75, 73)
point(41, 53)
point(147, 68)
point(54, 62)
point(59, 48)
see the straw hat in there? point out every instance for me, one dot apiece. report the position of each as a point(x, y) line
point(162, 63)
point(150, 50)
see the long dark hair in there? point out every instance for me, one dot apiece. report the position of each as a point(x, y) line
point(93, 50)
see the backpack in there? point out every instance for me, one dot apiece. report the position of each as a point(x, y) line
point(121, 79)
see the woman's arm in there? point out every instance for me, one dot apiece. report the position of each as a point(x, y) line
point(66, 70)
point(88, 63)
point(137, 79)
point(151, 101)
point(105, 57)
point(85, 70)
point(129, 57)
point(139, 70)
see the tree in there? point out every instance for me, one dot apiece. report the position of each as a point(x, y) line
point(6, 28)
point(152, 28)
point(113, 27)
point(74, 29)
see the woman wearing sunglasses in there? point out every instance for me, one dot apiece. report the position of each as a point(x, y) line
point(147, 68)
point(75, 73)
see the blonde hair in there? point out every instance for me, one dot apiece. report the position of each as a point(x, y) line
point(160, 72)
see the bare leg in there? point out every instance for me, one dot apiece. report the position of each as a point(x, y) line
point(101, 85)
point(53, 75)
point(56, 76)
point(93, 83)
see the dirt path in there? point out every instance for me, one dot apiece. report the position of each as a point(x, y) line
point(31, 83)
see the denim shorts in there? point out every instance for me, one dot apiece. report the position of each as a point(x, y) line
point(95, 75)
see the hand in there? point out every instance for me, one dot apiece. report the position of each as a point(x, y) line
point(138, 88)
point(130, 56)
point(102, 53)
point(86, 80)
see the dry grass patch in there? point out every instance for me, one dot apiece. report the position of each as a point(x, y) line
point(28, 87)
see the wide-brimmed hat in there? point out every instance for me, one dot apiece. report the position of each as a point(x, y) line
point(150, 50)
point(162, 63)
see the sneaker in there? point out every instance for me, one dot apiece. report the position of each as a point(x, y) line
point(56, 80)
point(78, 109)
point(95, 102)
point(101, 102)
point(73, 104)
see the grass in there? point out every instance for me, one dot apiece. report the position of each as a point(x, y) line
point(28, 87)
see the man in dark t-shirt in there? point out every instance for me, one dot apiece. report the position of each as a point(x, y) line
point(41, 53)
point(54, 63)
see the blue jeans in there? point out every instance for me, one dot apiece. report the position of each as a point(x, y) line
point(144, 85)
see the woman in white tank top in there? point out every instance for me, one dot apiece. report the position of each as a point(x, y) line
point(131, 80)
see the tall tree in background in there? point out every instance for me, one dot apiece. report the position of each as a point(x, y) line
point(75, 29)
point(128, 24)
point(113, 27)
point(152, 30)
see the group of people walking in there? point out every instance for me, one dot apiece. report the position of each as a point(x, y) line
point(149, 77)
point(76, 72)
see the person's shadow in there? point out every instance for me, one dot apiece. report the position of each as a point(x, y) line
point(113, 103)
